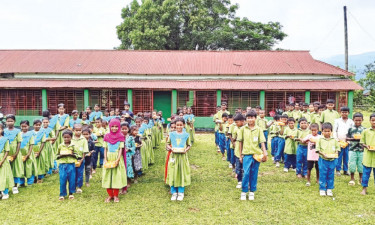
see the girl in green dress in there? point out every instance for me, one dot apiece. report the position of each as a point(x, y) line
point(15, 137)
point(49, 145)
point(178, 166)
point(114, 172)
point(6, 176)
point(38, 149)
point(28, 156)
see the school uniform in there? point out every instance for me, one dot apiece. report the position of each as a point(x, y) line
point(178, 176)
point(239, 168)
point(114, 178)
point(144, 149)
point(329, 116)
point(67, 171)
point(297, 114)
point(63, 121)
point(355, 150)
point(274, 132)
point(250, 138)
point(262, 123)
point(82, 148)
point(221, 137)
point(290, 150)
point(130, 151)
point(216, 129)
point(39, 139)
point(368, 138)
point(279, 155)
point(6, 176)
point(29, 165)
point(340, 131)
point(88, 160)
point(72, 122)
point(327, 166)
point(95, 115)
point(306, 115)
point(302, 153)
point(99, 149)
point(230, 145)
point(312, 156)
point(14, 136)
point(49, 150)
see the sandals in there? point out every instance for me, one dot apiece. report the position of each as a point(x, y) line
point(61, 198)
point(71, 197)
point(107, 200)
point(116, 199)
point(351, 183)
point(308, 184)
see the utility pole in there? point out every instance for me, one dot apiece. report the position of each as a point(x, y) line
point(346, 41)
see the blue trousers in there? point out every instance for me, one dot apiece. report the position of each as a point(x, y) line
point(40, 177)
point(239, 169)
point(250, 173)
point(265, 132)
point(227, 144)
point(30, 180)
point(79, 175)
point(217, 137)
point(6, 191)
point(67, 173)
point(326, 174)
point(290, 161)
point(177, 189)
point(95, 155)
point(274, 143)
point(280, 149)
point(343, 159)
point(232, 159)
point(222, 142)
point(366, 175)
point(301, 160)
point(17, 181)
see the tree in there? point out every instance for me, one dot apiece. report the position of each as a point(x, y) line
point(193, 25)
point(368, 83)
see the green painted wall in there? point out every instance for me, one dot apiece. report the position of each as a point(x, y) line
point(218, 97)
point(174, 101)
point(86, 98)
point(130, 98)
point(204, 122)
point(29, 118)
point(44, 99)
point(262, 99)
point(162, 102)
point(307, 97)
point(350, 103)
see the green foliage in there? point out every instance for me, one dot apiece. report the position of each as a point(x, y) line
point(193, 25)
point(368, 83)
point(212, 198)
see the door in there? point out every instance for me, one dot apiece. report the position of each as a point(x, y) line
point(163, 102)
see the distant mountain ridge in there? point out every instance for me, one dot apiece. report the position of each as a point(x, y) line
point(356, 62)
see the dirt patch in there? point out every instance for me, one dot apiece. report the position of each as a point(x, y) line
point(194, 210)
point(194, 167)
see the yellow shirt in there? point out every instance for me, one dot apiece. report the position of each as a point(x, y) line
point(251, 138)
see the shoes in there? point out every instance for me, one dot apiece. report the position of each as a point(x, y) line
point(294, 170)
point(230, 166)
point(351, 183)
point(180, 196)
point(243, 196)
point(4, 197)
point(251, 196)
point(338, 173)
point(346, 173)
point(308, 184)
point(239, 185)
point(79, 191)
point(15, 190)
point(277, 164)
point(61, 198)
point(329, 192)
point(174, 197)
point(223, 158)
point(322, 193)
point(286, 170)
point(71, 197)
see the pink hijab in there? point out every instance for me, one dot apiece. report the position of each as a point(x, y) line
point(112, 137)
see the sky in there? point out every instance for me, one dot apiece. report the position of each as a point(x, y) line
point(315, 25)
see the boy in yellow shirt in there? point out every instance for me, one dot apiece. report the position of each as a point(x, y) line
point(81, 143)
point(99, 131)
point(368, 142)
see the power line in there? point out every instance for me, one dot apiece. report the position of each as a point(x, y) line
point(328, 35)
point(360, 26)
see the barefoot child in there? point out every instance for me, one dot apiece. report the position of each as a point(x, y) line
point(178, 166)
point(301, 169)
point(67, 157)
point(28, 156)
point(15, 137)
point(312, 156)
point(6, 176)
point(327, 147)
point(250, 137)
point(38, 149)
point(79, 142)
point(368, 142)
point(114, 177)
point(86, 132)
point(355, 149)
point(290, 145)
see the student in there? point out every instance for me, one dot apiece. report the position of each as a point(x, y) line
point(6, 176)
point(96, 114)
point(127, 160)
point(329, 115)
point(75, 119)
point(105, 126)
point(312, 156)
point(190, 123)
point(301, 170)
point(86, 132)
point(355, 149)
point(80, 142)
point(88, 112)
point(99, 131)
point(117, 113)
point(297, 112)
point(229, 146)
point(239, 120)
point(250, 137)
point(318, 116)
point(340, 131)
point(67, 157)
point(130, 151)
point(274, 132)
point(38, 149)
point(106, 116)
point(127, 111)
point(305, 113)
point(290, 109)
point(28, 156)
point(63, 123)
point(279, 155)
point(178, 166)
point(114, 178)
point(15, 138)
point(49, 149)
point(137, 158)
point(172, 128)
point(368, 143)
point(290, 151)
point(221, 134)
point(84, 118)
point(262, 122)
point(324, 146)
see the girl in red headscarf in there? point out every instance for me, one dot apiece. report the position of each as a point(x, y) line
point(114, 172)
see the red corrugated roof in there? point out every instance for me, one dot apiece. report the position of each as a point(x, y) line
point(186, 85)
point(163, 62)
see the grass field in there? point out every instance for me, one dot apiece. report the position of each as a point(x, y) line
point(211, 199)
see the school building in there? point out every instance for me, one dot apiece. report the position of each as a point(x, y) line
point(34, 80)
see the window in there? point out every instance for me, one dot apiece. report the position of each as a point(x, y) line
point(242, 99)
point(21, 102)
point(109, 98)
point(142, 101)
point(343, 99)
point(322, 96)
point(276, 101)
point(72, 99)
point(204, 103)
point(185, 98)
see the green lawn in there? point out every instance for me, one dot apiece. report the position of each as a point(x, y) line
point(211, 199)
